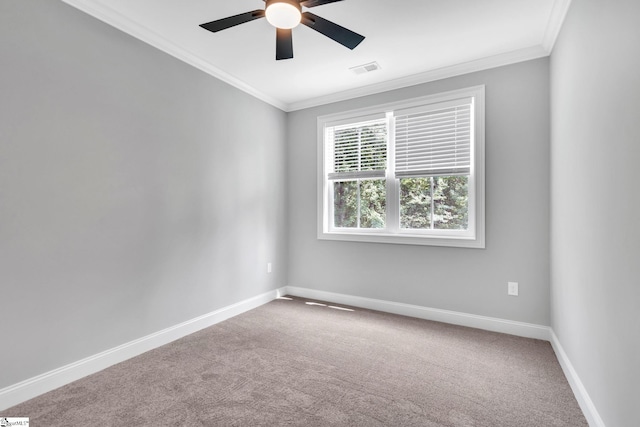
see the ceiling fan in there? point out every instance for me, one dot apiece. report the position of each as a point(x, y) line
point(285, 15)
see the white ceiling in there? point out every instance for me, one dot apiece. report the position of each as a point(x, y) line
point(413, 41)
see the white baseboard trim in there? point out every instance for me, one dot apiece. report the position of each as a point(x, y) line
point(30, 388)
point(510, 327)
point(527, 330)
point(585, 402)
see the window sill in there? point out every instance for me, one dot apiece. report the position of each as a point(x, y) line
point(405, 239)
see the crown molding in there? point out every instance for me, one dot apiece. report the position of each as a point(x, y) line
point(554, 25)
point(134, 29)
point(481, 64)
point(105, 14)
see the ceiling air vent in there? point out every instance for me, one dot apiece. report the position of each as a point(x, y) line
point(365, 68)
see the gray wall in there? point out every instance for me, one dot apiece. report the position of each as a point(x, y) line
point(134, 196)
point(136, 192)
point(465, 280)
point(595, 245)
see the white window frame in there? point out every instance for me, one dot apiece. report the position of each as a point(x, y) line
point(474, 237)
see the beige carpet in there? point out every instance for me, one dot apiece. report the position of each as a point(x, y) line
point(291, 363)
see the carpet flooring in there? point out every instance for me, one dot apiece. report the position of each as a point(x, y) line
point(291, 363)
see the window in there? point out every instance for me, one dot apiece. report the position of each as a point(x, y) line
point(409, 172)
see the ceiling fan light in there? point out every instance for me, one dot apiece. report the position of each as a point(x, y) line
point(283, 14)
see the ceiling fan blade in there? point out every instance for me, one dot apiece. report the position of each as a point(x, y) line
point(314, 3)
point(284, 44)
point(232, 21)
point(334, 31)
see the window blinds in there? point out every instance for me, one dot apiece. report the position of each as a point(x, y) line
point(359, 150)
point(434, 141)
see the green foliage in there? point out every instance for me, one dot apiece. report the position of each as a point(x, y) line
point(439, 203)
point(415, 203)
point(451, 203)
point(372, 196)
point(345, 204)
point(373, 203)
point(447, 196)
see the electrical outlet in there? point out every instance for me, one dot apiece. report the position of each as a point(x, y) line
point(268, 267)
point(512, 288)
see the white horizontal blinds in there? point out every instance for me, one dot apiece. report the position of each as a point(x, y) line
point(434, 140)
point(359, 150)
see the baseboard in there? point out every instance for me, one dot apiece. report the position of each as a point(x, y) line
point(504, 326)
point(28, 389)
point(585, 402)
point(527, 330)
